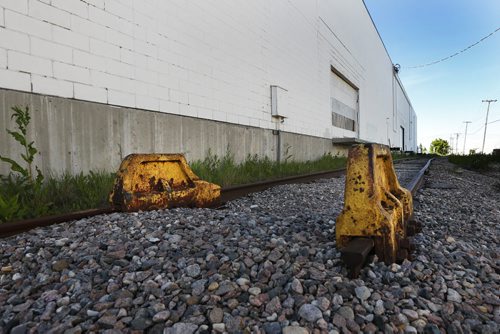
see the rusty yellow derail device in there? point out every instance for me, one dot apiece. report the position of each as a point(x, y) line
point(159, 181)
point(376, 208)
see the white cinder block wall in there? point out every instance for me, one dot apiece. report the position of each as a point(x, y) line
point(213, 59)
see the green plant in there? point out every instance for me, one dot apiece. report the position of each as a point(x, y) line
point(225, 171)
point(440, 146)
point(9, 207)
point(479, 162)
point(26, 196)
point(22, 119)
point(78, 192)
point(58, 194)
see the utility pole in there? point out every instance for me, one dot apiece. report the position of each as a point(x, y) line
point(456, 143)
point(465, 137)
point(486, 122)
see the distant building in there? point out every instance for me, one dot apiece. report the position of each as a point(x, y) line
point(105, 78)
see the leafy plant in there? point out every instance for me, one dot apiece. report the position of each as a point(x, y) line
point(22, 119)
point(9, 207)
point(479, 162)
point(78, 192)
point(225, 171)
point(27, 195)
point(58, 194)
point(440, 146)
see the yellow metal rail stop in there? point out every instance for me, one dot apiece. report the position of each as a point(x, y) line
point(159, 181)
point(376, 207)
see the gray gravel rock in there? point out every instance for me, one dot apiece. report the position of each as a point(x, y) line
point(216, 315)
point(219, 328)
point(161, 316)
point(410, 314)
point(272, 328)
point(346, 312)
point(410, 330)
point(295, 330)
point(193, 270)
point(297, 286)
point(362, 293)
point(454, 296)
point(265, 263)
point(181, 328)
point(310, 312)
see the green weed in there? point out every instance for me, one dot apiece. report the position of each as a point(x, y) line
point(22, 119)
point(478, 162)
point(79, 192)
point(9, 207)
point(225, 171)
point(23, 195)
point(26, 198)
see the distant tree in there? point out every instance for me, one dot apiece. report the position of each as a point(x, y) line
point(472, 151)
point(440, 146)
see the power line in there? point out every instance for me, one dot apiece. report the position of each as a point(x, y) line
point(455, 54)
point(482, 126)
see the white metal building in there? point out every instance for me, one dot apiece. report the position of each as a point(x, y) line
point(105, 78)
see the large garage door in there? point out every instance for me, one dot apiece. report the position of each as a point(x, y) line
point(344, 102)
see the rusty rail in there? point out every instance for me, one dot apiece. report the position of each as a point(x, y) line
point(227, 194)
point(235, 192)
point(16, 227)
point(416, 182)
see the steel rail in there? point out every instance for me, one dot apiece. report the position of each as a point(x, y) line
point(12, 228)
point(227, 194)
point(235, 192)
point(416, 182)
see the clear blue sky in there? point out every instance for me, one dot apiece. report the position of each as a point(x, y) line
point(446, 94)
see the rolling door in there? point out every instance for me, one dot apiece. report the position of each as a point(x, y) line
point(344, 102)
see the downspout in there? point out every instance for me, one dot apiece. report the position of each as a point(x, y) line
point(277, 133)
point(278, 148)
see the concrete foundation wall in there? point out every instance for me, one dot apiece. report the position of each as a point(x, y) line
point(77, 136)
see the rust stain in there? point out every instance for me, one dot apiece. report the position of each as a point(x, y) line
point(160, 181)
point(379, 208)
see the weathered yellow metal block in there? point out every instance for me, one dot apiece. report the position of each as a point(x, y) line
point(375, 205)
point(159, 181)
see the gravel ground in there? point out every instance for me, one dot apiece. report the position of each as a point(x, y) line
point(266, 264)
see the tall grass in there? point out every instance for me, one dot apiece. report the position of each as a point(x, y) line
point(68, 193)
point(57, 195)
point(479, 162)
point(79, 192)
point(24, 195)
point(225, 171)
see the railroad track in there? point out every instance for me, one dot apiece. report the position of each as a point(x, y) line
point(280, 244)
point(410, 173)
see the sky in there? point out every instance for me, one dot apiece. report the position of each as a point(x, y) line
point(446, 94)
